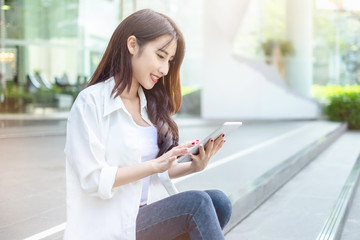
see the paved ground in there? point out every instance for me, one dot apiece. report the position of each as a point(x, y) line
point(300, 208)
point(32, 180)
point(32, 174)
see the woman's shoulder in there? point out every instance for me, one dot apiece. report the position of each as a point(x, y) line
point(94, 94)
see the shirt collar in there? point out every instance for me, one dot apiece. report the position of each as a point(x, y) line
point(112, 104)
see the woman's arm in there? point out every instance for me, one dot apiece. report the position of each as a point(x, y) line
point(136, 172)
point(133, 173)
point(181, 169)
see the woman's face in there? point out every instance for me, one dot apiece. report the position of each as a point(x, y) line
point(153, 61)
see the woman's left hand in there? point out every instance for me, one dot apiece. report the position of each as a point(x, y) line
point(201, 160)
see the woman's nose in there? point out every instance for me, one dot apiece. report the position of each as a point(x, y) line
point(164, 68)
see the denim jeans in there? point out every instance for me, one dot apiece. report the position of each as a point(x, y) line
point(187, 215)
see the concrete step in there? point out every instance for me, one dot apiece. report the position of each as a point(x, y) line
point(31, 219)
point(302, 206)
point(333, 226)
point(344, 221)
point(250, 175)
point(32, 128)
point(351, 228)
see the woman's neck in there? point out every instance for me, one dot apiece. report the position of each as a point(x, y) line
point(132, 94)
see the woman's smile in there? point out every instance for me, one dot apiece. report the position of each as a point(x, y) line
point(154, 78)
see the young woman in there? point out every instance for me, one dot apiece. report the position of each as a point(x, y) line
point(122, 144)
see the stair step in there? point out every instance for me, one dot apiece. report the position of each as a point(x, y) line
point(334, 224)
point(251, 175)
point(351, 226)
point(351, 229)
point(40, 129)
point(300, 208)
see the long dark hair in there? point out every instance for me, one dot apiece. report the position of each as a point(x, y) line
point(164, 99)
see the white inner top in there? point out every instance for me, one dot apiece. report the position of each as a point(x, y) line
point(149, 151)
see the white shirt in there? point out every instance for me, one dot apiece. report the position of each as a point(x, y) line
point(149, 150)
point(102, 136)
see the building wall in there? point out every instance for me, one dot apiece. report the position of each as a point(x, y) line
point(233, 88)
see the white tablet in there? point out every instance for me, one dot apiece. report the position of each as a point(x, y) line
point(226, 129)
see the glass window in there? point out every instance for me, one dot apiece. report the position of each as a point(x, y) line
point(54, 46)
point(336, 42)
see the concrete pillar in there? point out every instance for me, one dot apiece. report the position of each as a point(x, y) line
point(299, 26)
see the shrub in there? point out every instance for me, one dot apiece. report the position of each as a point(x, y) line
point(46, 97)
point(16, 99)
point(342, 103)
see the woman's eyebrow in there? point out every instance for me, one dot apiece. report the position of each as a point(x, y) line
point(162, 50)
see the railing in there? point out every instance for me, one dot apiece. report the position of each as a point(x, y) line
point(334, 224)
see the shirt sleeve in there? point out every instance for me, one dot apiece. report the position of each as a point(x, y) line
point(85, 151)
point(167, 183)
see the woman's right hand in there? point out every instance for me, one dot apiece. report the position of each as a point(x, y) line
point(165, 161)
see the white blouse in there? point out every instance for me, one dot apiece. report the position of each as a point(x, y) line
point(102, 136)
point(149, 150)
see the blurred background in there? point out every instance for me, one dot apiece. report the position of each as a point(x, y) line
point(289, 69)
point(288, 52)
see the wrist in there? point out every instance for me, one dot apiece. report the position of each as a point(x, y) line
point(196, 168)
point(153, 166)
point(192, 168)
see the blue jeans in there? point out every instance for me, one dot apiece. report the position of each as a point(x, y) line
point(187, 215)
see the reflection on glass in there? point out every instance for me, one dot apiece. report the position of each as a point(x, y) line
point(336, 42)
point(51, 48)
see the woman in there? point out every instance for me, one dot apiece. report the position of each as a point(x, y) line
point(122, 144)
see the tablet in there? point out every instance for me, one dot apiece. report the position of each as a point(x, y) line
point(226, 129)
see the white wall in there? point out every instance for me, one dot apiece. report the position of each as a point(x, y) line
point(299, 26)
point(234, 90)
point(239, 92)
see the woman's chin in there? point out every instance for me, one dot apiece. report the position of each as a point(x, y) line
point(148, 86)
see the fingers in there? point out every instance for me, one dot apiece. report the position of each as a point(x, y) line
point(172, 159)
point(182, 149)
point(188, 144)
point(217, 148)
point(219, 142)
point(202, 150)
point(169, 160)
point(179, 151)
point(209, 147)
point(194, 157)
point(200, 155)
point(214, 145)
point(201, 160)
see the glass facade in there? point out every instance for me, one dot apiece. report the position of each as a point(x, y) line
point(336, 43)
point(49, 48)
point(43, 34)
point(264, 20)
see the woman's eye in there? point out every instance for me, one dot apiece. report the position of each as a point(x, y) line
point(160, 56)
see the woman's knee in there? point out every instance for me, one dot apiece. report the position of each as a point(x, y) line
point(220, 199)
point(199, 197)
point(222, 206)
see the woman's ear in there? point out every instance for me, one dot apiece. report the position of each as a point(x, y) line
point(132, 45)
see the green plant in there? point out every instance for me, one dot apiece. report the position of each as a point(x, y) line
point(345, 108)
point(325, 93)
point(285, 46)
point(45, 97)
point(16, 99)
point(342, 103)
point(188, 90)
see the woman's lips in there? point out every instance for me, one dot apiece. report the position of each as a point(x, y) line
point(154, 78)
